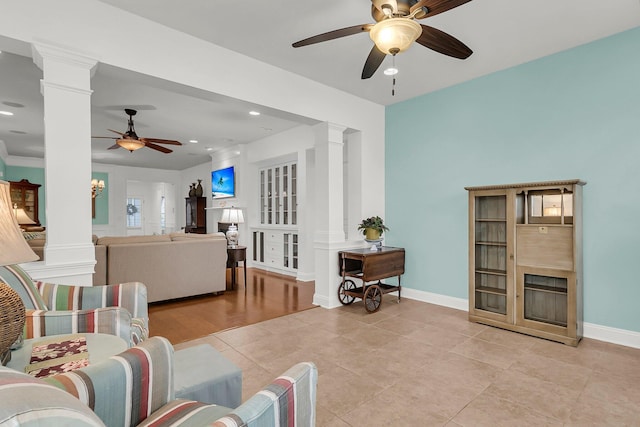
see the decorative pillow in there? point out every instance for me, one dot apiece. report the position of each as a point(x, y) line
point(12, 317)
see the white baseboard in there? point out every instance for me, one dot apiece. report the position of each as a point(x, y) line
point(612, 335)
point(591, 330)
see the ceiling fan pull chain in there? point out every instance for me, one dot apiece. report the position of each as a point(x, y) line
point(393, 85)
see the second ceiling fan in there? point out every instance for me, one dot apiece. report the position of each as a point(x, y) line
point(130, 140)
point(396, 29)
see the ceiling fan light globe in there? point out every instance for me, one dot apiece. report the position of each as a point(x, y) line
point(130, 144)
point(395, 35)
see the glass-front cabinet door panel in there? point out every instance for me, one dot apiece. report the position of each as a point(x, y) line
point(276, 196)
point(263, 203)
point(285, 195)
point(491, 253)
point(294, 194)
point(269, 196)
point(545, 299)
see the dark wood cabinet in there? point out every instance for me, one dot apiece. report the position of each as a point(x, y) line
point(24, 195)
point(196, 215)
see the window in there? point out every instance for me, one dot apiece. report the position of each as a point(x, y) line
point(163, 215)
point(134, 212)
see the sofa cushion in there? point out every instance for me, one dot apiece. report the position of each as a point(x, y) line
point(190, 236)
point(110, 240)
point(29, 401)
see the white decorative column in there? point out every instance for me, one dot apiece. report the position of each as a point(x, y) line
point(66, 87)
point(329, 236)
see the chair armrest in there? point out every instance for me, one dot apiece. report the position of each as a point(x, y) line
point(124, 389)
point(132, 296)
point(290, 399)
point(111, 320)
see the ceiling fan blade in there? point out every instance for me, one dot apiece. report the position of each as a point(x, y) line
point(113, 147)
point(115, 131)
point(157, 147)
point(436, 7)
point(375, 58)
point(335, 34)
point(161, 141)
point(443, 43)
point(103, 137)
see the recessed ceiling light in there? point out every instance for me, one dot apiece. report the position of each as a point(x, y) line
point(193, 141)
point(6, 113)
point(391, 71)
point(254, 113)
point(209, 149)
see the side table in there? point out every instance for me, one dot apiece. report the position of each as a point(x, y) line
point(235, 255)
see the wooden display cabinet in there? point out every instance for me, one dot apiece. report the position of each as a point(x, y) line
point(195, 215)
point(25, 195)
point(525, 258)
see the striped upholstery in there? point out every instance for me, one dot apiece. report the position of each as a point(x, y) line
point(64, 300)
point(287, 402)
point(132, 296)
point(110, 320)
point(125, 389)
point(30, 402)
point(20, 282)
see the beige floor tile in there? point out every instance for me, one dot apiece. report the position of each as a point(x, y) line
point(598, 413)
point(400, 325)
point(483, 351)
point(618, 391)
point(506, 338)
point(553, 400)
point(488, 410)
point(459, 323)
point(340, 390)
point(388, 409)
point(437, 336)
point(552, 370)
point(458, 369)
point(325, 418)
point(244, 335)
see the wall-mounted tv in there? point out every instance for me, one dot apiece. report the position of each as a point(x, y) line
point(223, 183)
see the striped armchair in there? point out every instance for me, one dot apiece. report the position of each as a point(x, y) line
point(63, 309)
point(136, 388)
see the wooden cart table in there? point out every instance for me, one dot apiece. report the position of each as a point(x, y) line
point(369, 266)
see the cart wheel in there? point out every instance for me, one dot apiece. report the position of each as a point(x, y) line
point(347, 285)
point(373, 298)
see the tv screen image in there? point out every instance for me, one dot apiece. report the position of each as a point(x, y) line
point(223, 183)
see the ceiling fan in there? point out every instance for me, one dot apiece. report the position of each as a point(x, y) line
point(396, 29)
point(131, 141)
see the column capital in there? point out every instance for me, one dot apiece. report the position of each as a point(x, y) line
point(42, 52)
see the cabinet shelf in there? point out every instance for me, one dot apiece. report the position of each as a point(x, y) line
point(548, 321)
point(491, 220)
point(541, 288)
point(494, 291)
point(490, 271)
point(492, 243)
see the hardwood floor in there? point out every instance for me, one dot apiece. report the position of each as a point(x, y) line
point(268, 295)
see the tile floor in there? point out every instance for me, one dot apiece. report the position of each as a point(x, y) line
point(418, 364)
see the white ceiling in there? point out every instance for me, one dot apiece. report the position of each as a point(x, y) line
point(502, 34)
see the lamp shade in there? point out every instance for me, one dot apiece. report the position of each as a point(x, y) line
point(395, 35)
point(23, 218)
point(13, 248)
point(233, 216)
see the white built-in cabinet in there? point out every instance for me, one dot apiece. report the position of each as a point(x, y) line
point(275, 241)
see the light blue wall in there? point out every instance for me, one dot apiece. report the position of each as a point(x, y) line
point(3, 170)
point(575, 114)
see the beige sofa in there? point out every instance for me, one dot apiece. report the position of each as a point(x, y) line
point(171, 266)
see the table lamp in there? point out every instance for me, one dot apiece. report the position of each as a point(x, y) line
point(13, 250)
point(233, 216)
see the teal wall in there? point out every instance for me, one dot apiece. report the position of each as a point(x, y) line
point(34, 176)
point(575, 114)
point(3, 170)
point(102, 201)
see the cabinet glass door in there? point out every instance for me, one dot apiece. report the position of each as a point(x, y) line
point(263, 203)
point(545, 299)
point(491, 253)
point(269, 196)
point(285, 194)
point(294, 194)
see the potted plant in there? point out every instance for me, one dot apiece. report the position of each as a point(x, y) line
point(372, 228)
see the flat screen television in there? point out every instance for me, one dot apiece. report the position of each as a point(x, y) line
point(223, 183)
